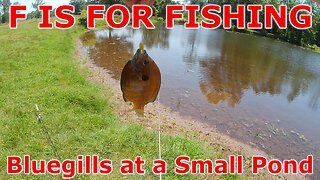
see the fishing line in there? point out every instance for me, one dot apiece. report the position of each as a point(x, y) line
point(159, 132)
point(40, 120)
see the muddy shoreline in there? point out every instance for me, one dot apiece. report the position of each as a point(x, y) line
point(172, 123)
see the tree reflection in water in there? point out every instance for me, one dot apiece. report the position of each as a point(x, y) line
point(156, 38)
point(241, 66)
point(230, 66)
point(110, 50)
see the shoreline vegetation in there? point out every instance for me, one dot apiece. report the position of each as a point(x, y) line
point(309, 38)
point(159, 21)
point(83, 112)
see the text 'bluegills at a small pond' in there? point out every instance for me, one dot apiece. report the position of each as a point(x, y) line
point(69, 168)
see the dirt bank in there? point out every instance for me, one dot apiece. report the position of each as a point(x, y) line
point(171, 122)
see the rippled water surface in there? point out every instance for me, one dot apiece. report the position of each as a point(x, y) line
point(257, 90)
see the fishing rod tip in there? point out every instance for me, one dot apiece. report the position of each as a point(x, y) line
point(37, 108)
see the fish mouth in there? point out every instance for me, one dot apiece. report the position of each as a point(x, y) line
point(140, 57)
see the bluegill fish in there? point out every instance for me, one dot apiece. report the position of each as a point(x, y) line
point(140, 80)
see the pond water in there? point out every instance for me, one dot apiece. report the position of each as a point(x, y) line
point(254, 89)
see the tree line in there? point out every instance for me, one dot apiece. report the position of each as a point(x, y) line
point(4, 10)
point(307, 38)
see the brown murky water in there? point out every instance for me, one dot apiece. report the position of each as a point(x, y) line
point(254, 89)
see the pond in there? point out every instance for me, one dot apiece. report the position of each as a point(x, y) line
point(254, 89)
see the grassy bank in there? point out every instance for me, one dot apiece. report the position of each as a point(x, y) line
point(39, 67)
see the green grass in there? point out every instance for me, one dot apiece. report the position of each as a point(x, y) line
point(39, 67)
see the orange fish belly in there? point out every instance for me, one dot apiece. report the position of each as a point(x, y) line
point(140, 86)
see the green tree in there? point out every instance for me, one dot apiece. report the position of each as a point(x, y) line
point(5, 4)
point(35, 6)
point(105, 2)
point(32, 15)
point(307, 37)
point(317, 36)
point(159, 7)
point(79, 5)
point(0, 12)
point(316, 22)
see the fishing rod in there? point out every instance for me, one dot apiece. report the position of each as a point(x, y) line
point(44, 128)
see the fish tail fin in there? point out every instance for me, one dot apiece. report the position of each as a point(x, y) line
point(139, 112)
point(139, 109)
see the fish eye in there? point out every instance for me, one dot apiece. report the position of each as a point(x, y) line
point(145, 77)
point(146, 62)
